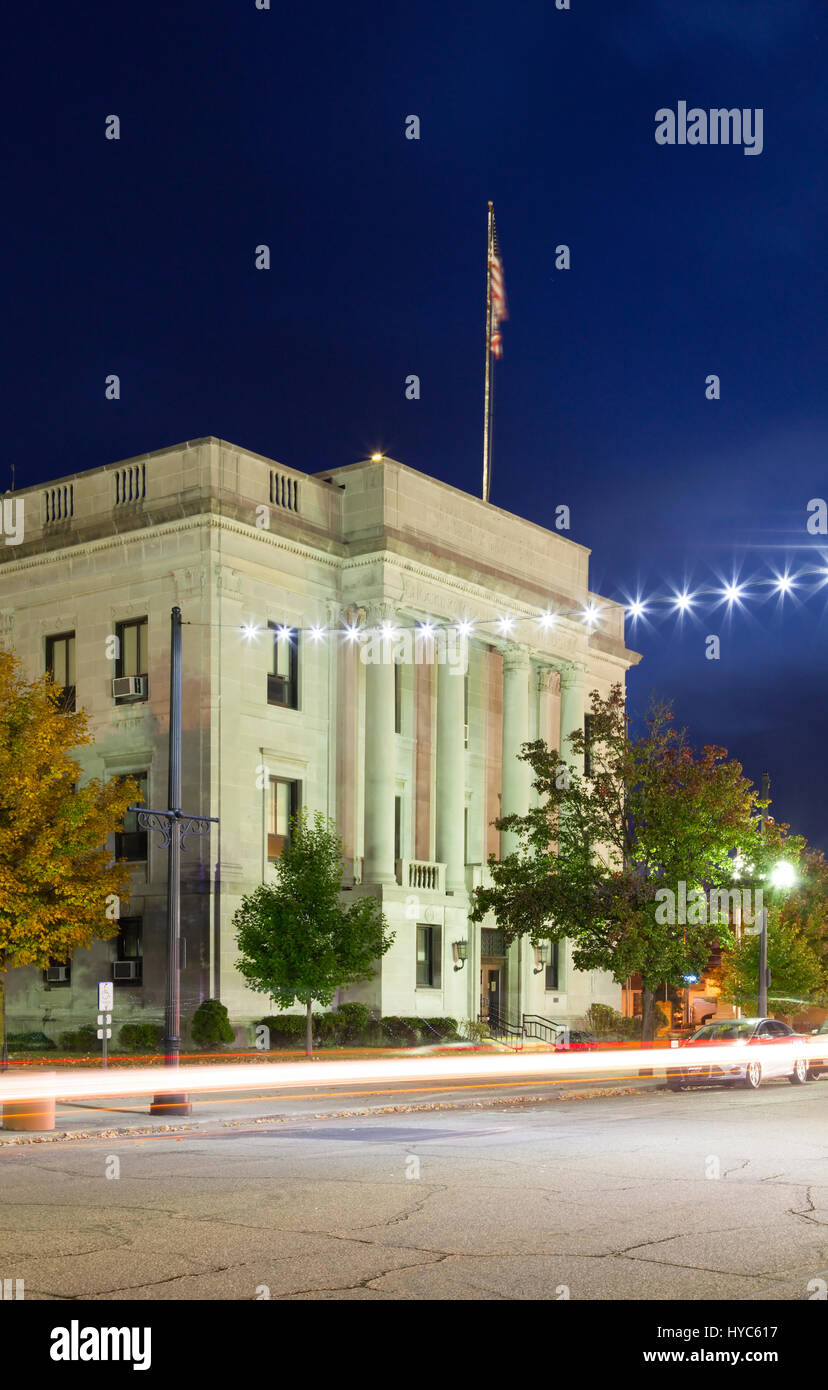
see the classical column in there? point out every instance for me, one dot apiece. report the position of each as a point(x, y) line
point(451, 775)
point(547, 689)
point(380, 756)
point(515, 774)
point(573, 683)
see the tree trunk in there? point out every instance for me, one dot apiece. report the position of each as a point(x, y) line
point(647, 1015)
point(647, 1024)
point(4, 1055)
point(309, 1032)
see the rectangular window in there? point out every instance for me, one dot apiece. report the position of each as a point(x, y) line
point(128, 966)
point(131, 842)
point(283, 803)
point(466, 835)
point(553, 974)
point(492, 942)
point(397, 698)
point(133, 654)
point(428, 957)
point(60, 664)
point(283, 680)
point(398, 827)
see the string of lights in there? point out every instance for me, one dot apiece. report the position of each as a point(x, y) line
point(736, 594)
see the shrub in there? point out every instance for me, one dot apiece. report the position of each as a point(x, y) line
point(83, 1039)
point(30, 1042)
point(285, 1028)
point(141, 1037)
point(211, 1026)
point(602, 1021)
point(446, 1027)
point(350, 1023)
point(410, 1030)
point(401, 1030)
point(474, 1030)
point(354, 1022)
point(324, 1027)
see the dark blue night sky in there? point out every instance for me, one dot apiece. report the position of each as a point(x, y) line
point(286, 127)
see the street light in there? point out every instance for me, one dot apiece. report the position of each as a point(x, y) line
point(543, 957)
point(783, 875)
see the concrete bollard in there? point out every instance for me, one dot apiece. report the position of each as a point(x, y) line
point(30, 1114)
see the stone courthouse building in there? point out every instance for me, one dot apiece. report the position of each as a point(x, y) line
point(284, 706)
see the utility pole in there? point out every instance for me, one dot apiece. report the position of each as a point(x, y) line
point(763, 923)
point(174, 825)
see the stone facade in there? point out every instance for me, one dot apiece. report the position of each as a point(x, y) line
point(414, 765)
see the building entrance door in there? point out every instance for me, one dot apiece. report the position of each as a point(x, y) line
point(491, 988)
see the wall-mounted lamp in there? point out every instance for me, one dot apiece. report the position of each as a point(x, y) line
point(459, 951)
point(543, 957)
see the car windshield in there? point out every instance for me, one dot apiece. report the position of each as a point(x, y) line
point(733, 1028)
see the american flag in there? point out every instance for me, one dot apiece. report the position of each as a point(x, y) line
point(499, 309)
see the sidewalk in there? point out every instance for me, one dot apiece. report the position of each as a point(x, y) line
point(128, 1116)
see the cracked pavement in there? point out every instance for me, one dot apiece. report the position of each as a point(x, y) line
point(606, 1200)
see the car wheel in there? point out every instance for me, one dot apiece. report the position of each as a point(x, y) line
point(753, 1076)
point(800, 1073)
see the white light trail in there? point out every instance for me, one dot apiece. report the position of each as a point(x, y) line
point(155, 1081)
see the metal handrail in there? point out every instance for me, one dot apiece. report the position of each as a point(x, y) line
point(501, 1027)
point(544, 1028)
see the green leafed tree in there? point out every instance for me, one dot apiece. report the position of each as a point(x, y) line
point(298, 942)
point(804, 906)
point(797, 977)
point(59, 887)
point(648, 814)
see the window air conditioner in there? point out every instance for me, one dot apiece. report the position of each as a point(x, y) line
point(126, 970)
point(57, 974)
point(124, 686)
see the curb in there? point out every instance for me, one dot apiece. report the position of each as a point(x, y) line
point(504, 1102)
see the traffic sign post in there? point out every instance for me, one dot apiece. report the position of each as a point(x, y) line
point(106, 1001)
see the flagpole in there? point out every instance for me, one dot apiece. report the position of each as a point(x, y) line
point(487, 455)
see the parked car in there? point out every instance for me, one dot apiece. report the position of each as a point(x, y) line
point(756, 1043)
point(819, 1065)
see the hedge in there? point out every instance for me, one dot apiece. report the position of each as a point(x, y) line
point(211, 1025)
point(30, 1042)
point(354, 1023)
point(416, 1030)
point(83, 1039)
point(141, 1037)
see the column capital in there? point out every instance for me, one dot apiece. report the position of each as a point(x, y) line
point(379, 611)
point(548, 677)
point(346, 615)
point(515, 657)
point(573, 675)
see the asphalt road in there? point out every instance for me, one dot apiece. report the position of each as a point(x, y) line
point(711, 1194)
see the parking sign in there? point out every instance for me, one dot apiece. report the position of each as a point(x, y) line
point(106, 996)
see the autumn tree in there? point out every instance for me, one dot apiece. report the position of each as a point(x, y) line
point(797, 978)
point(298, 942)
point(804, 906)
point(647, 814)
point(59, 887)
